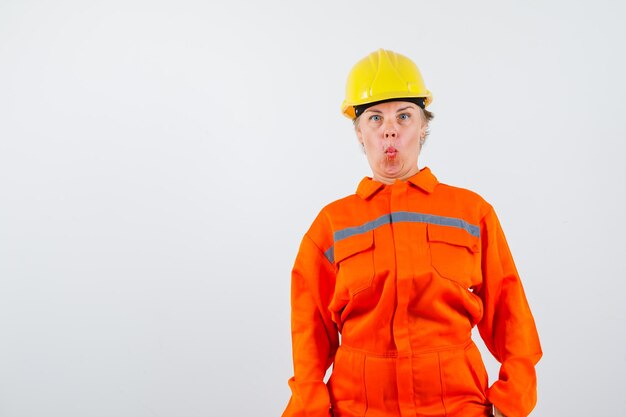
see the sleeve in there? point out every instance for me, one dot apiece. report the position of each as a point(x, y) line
point(314, 335)
point(507, 326)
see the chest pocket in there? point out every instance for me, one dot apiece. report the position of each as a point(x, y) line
point(454, 254)
point(354, 257)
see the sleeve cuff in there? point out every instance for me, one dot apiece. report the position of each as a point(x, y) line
point(308, 399)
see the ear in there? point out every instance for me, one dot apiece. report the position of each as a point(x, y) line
point(359, 134)
point(423, 130)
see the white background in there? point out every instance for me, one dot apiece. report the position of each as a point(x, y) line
point(160, 161)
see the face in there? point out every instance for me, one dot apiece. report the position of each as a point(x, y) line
point(391, 133)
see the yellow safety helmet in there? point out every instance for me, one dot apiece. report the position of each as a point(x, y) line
point(383, 76)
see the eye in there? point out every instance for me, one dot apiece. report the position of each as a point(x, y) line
point(404, 116)
point(375, 118)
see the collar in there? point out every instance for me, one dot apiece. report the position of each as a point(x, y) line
point(424, 180)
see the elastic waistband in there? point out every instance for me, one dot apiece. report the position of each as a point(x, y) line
point(391, 355)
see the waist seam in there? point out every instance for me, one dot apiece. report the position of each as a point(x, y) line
point(392, 355)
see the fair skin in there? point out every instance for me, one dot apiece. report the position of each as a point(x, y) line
point(390, 134)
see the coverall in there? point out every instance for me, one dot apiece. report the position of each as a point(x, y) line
point(386, 287)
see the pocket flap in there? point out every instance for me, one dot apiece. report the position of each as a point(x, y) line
point(453, 236)
point(353, 245)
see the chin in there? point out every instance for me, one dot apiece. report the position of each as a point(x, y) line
point(393, 173)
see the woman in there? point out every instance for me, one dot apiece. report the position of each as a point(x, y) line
point(404, 269)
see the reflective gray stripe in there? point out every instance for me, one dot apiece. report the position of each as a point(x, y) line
point(357, 230)
point(399, 217)
point(406, 216)
point(330, 254)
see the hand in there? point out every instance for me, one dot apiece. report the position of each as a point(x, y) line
point(497, 413)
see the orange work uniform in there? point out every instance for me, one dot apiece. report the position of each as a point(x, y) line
point(386, 287)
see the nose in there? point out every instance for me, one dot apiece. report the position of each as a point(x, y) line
point(390, 133)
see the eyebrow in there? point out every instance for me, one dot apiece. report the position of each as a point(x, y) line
point(397, 111)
